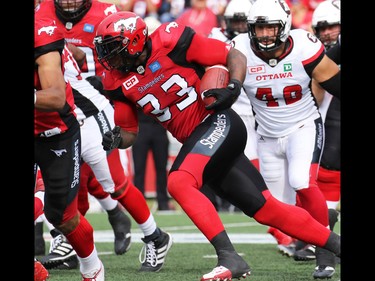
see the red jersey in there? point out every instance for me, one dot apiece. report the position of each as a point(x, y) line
point(47, 39)
point(82, 33)
point(169, 88)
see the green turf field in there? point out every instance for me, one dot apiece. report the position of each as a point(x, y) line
point(189, 261)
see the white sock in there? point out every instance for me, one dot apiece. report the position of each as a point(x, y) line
point(149, 226)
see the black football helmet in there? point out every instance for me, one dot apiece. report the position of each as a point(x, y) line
point(72, 10)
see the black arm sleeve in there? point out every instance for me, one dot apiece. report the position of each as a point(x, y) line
point(334, 54)
point(333, 85)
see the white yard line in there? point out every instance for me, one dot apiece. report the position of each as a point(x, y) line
point(107, 236)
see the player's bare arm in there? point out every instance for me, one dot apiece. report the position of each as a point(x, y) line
point(317, 91)
point(78, 54)
point(327, 73)
point(326, 69)
point(127, 138)
point(52, 96)
point(236, 64)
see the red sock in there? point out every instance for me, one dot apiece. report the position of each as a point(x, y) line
point(313, 201)
point(82, 238)
point(135, 203)
point(183, 187)
point(281, 237)
point(329, 183)
point(292, 220)
point(38, 207)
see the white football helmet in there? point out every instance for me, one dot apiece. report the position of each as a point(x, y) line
point(235, 16)
point(327, 13)
point(268, 12)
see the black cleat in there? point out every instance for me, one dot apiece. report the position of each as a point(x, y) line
point(325, 264)
point(121, 225)
point(307, 253)
point(60, 251)
point(69, 264)
point(154, 252)
point(323, 272)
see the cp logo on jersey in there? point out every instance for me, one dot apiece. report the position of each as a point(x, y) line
point(131, 82)
point(257, 69)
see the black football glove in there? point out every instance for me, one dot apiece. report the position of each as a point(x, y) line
point(225, 97)
point(96, 82)
point(112, 139)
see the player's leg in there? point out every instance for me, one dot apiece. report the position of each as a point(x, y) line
point(61, 189)
point(160, 151)
point(274, 169)
point(201, 161)
point(303, 151)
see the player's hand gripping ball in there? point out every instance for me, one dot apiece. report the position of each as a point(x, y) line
point(216, 76)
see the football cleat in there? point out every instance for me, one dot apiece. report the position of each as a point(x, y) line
point(40, 272)
point(218, 273)
point(60, 251)
point(230, 265)
point(154, 252)
point(69, 264)
point(323, 272)
point(307, 253)
point(121, 225)
point(221, 273)
point(287, 250)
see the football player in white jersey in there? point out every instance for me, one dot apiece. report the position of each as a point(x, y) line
point(280, 66)
point(235, 18)
point(326, 24)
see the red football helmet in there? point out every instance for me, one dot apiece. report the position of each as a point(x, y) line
point(120, 39)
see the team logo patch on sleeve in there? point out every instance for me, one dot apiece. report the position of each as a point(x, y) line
point(88, 28)
point(154, 66)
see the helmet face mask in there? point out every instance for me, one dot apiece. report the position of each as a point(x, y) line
point(268, 15)
point(326, 22)
point(236, 24)
point(235, 17)
point(266, 36)
point(120, 40)
point(72, 10)
point(328, 34)
point(112, 53)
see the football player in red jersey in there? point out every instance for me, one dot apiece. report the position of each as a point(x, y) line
point(58, 146)
point(79, 19)
point(161, 74)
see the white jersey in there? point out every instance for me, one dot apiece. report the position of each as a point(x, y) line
point(280, 95)
point(96, 116)
point(87, 99)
